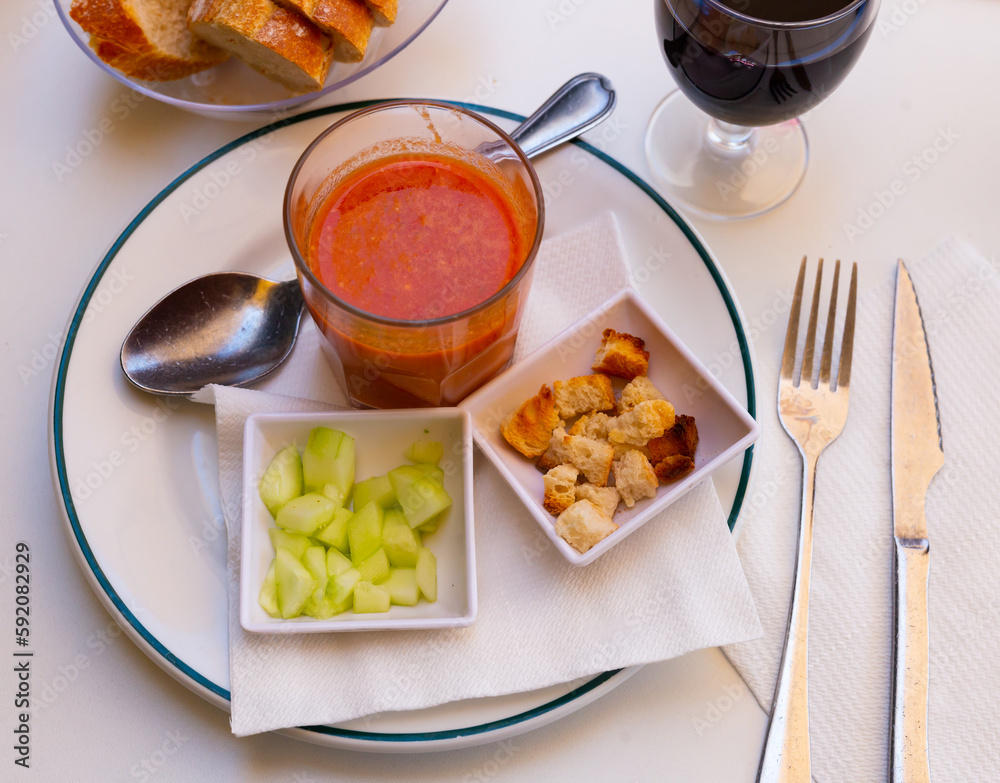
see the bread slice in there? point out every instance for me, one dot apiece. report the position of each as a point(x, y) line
point(347, 22)
point(645, 421)
point(384, 11)
point(605, 498)
point(145, 39)
point(592, 457)
point(583, 393)
point(635, 478)
point(560, 488)
point(621, 355)
point(281, 44)
point(529, 428)
point(583, 525)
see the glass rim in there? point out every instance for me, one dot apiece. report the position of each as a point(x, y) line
point(303, 267)
point(718, 5)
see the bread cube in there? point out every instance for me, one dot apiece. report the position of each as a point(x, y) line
point(583, 525)
point(681, 439)
point(634, 478)
point(621, 355)
point(560, 488)
point(593, 425)
point(556, 453)
point(605, 498)
point(673, 468)
point(645, 421)
point(583, 393)
point(529, 428)
point(592, 457)
point(639, 389)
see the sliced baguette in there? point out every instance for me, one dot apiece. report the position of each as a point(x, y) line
point(384, 11)
point(281, 44)
point(347, 22)
point(145, 39)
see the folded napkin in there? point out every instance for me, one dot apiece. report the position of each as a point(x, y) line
point(672, 587)
point(850, 610)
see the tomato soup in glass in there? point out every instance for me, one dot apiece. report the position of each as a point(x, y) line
point(414, 227)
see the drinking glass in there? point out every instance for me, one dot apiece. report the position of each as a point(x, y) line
point(727, 144)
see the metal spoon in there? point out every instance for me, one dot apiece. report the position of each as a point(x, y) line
point(233, 328)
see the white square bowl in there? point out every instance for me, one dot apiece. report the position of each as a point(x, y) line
point(381, 438)
point(725, 428)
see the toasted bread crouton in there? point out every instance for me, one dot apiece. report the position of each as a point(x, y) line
point(556, 453)
point(583, 525)
point(583, 393)
point(621, 355)
point(673, 468)
point(622, 448)
point(639, 389)
point(634, 478)
point(560, 488)
point(605, 498)
point(592, 457)
point(645, 421)
point(681, 439)
point(529, 428)
point(593, 425)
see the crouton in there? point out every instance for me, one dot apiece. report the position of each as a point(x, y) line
point(593, 425)
point(583, 525)
point(645, 421)
point(621, 355)
point(529, 428)
point(680, 439)
point(605, 498)
point(592, 457)
point(583, 393)
point(639, 389)
point(673, 467)
point(560, 488)
point(556, 453)
point(634, 478)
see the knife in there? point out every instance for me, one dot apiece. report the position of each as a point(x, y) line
point(917, 454)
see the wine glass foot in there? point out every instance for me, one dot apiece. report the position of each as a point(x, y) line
point(719, 170)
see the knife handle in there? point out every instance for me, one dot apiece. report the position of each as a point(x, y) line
point(908, 736)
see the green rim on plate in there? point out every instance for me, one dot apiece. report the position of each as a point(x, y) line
point(60, 459)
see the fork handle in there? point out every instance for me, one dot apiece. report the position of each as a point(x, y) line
point(785, 758)
point(908, 737)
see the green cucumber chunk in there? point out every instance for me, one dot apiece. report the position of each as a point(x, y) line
point(269, 592)
point(334, 533)
point(374, 569)
point(433, 471)
point(306, 514)
point(420, 495)
point(340, 588)
point(328, 458)
point(426, 572)
point(364, 532)
point(314, 560)
point(425, 450)
point(400, 541)
point(282, 480)
point(336, 562)
point(294, 583)
point(333, 492)
point(296, 543)
point(370, 598)
point(377, 488)
point(402, 587)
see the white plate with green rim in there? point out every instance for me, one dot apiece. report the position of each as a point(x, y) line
point(136, 475)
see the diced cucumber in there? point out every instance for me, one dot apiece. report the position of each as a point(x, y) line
point(314, 560)
point(375, 569)
point(425, 450)
point(377, 488)
point(420, 496)
point(364, 532)
point(325, 608)
point(306, 513)
point(402, 587)
point(370, 598)
point(294, 583)
point(433, 471)
point(336, 562)
point(296, 543)
point(328, 459)
point(333, 492)
point(269, 592)
point(282, 480)
point(426, 573)
point(432, 524)
point(400, 541)
point(341, 587)
point(334, 533)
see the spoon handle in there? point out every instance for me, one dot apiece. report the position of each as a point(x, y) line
point(577, 106)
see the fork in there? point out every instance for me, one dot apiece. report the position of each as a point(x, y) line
point(813, 417)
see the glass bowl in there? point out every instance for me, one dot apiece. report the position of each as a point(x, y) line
point(235, 91)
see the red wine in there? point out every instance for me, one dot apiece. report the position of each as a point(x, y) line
point(743, 68)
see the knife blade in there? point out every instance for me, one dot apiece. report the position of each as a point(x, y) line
point(917, 455)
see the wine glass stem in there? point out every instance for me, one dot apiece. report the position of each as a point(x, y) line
point(729, 137)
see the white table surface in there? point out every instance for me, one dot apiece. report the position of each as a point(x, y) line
point(117, 716)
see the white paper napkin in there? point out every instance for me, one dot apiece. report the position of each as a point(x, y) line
point(672, 587)
point(850, 612)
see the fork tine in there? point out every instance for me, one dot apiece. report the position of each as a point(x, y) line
point(792, 335)
point(844, 380)
point(810, 348)
point(831, 320)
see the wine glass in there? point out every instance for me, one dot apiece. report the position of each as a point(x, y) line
point(727, 144)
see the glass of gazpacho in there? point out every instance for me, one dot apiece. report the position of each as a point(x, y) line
point(414, 226)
